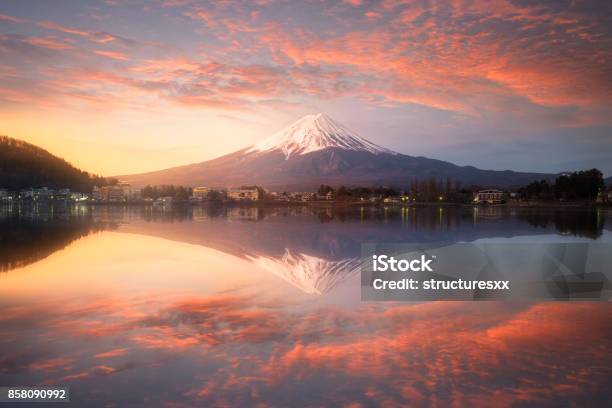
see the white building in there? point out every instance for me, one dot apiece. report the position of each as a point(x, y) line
point(78, 197)
point(490, 196)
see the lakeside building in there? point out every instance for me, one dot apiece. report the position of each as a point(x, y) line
point(36, 194)
point(490, 196)
point(329, 196)
point(292, 196)
point(109, 193)
point(116, 193)
point(200, 193)
point(243, 194)
point(392, 200)
point(78, 197)
point(62, 194)
point(303, 196)
point(165, 201)
point(42, 194)
point(131, 193)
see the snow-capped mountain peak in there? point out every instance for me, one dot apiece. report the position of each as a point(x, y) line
point(312, 133)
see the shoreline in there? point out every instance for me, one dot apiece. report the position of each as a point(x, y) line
point(320, 204)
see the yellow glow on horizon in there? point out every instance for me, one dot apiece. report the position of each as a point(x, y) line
point(115, 143)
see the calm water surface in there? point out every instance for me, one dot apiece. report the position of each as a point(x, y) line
point(247, 306)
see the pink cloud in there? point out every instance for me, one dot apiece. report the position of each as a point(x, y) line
point(12, 19)
point(68, 30)
point(468, 57)
point(50, 43)
point(112, 353)
point(112, 54)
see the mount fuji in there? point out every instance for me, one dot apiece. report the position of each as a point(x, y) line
point(313, 133)
point(317, 150)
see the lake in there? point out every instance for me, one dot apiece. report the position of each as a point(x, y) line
point(246, 306)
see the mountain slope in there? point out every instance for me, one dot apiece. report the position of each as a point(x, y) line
point(23, 165)
point(316, 150)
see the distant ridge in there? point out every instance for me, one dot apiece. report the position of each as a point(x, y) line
point(318, 150)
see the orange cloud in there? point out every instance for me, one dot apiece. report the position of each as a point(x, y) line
point(112, 353)
point(471, 58)
point(112, 54)
point(50, 43)
point(52, 364)
point(68, 30)
point(12, 19)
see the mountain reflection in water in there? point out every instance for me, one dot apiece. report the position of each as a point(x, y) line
point(312, 248)
point(140, 307)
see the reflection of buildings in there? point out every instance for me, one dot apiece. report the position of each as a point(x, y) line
point(243, 213)
point(487, 213)
point(314, 249)
point(200, 214)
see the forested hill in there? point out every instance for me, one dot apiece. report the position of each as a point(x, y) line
point(23, 165)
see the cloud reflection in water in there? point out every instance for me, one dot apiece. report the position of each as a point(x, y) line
point(185, 313)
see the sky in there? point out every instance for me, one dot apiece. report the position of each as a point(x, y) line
point(127, 86)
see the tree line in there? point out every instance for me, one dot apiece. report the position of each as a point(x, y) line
point(166, 190)
point(428, 190)
point(578, 185)
point(581, 185)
